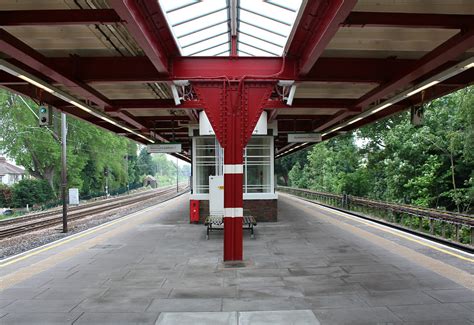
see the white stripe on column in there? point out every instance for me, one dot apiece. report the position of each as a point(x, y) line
point(234, 169)
point(233, 212)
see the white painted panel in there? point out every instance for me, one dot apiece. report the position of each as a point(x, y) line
point(216, 195)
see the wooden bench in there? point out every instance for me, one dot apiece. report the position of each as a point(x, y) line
point(217, 223)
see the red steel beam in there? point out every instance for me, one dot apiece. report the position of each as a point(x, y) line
point(448, 51)
point(140, 69)
point(232, 68)
point(58, 17)
point(408, 20)
point(147, 104)
point(336, 103)
point(141, 23)
point(15, 48)
point(319, 23)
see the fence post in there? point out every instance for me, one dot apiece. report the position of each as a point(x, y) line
point(472, 235)
point(456, 229)
point(431, 226)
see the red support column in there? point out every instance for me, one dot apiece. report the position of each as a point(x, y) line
point(233, 111)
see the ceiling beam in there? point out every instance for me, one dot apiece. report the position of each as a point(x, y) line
point(319, 23)
point(147, 104)
point(335, 103)
point(447, 51)
point(58, 17)
point(147, 25)
point(150, 104)
point(140, 69)
point(15, 48)
point(408, 20)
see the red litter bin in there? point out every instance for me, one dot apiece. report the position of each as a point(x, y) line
point(194, 211)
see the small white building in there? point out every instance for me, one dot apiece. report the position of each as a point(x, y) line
point(10, 174)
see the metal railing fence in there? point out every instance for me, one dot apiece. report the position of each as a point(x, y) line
point(456, 227)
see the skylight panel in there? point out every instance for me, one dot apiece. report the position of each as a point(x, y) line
point(270, 37)
point(202, 47)
point(200, 23)
point(268, 47)
point(215, 50)
point(292, 6)
point(250, 49)
point(203, 35)
point(202, 27)
point(265, 22)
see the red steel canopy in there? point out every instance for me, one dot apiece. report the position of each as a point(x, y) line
point(145, 68)
point(120, 57)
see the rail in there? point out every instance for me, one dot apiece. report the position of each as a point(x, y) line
point(446, 225)
point(24, 225)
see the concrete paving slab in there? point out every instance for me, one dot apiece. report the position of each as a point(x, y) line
point(452, 295)
point(116, 318)
point(375, 315)
point(114, 304)
point(336, 301)
point(293, 317)
point(396, 298)
point(204, 292)
point(40, 306)
point(136, 293)
point(217, 318)
point(434, 312)
point(21, 293)
point(39, 318)
point(185, 305)
point(273, 291)
point(5, 302)
point(61, 293)
point(255, 304)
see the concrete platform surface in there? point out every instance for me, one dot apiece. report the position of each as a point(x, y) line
point(311, 267)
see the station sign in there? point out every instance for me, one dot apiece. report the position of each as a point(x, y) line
point(164, 148)
point(304, 137)
point(74, 196)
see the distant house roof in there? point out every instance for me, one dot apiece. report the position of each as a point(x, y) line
point(149, 178)
point(7, 168)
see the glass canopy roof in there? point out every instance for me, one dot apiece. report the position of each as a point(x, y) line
point(204, 27)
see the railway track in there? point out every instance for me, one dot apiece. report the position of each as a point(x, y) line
point(56, 210)
point(19, 226)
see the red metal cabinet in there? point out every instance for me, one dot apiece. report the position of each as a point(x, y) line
point(193, 211)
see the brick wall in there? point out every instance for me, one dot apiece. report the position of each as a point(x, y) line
point(262, 210)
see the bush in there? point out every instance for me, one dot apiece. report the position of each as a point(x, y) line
point(5, 196)
point(31, 192)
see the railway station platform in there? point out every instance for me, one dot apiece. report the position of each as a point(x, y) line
point(313, 266)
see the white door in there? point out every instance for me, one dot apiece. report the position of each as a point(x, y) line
point(216, 195)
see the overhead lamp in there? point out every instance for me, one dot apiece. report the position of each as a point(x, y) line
point(182, 84)
point(17, 72)
point(78, 105)
point(37, 84)
point(354, 120)
point(418, 89)
point(381, 107)
point(285, 84)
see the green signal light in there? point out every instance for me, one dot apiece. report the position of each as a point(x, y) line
point(43, 110)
